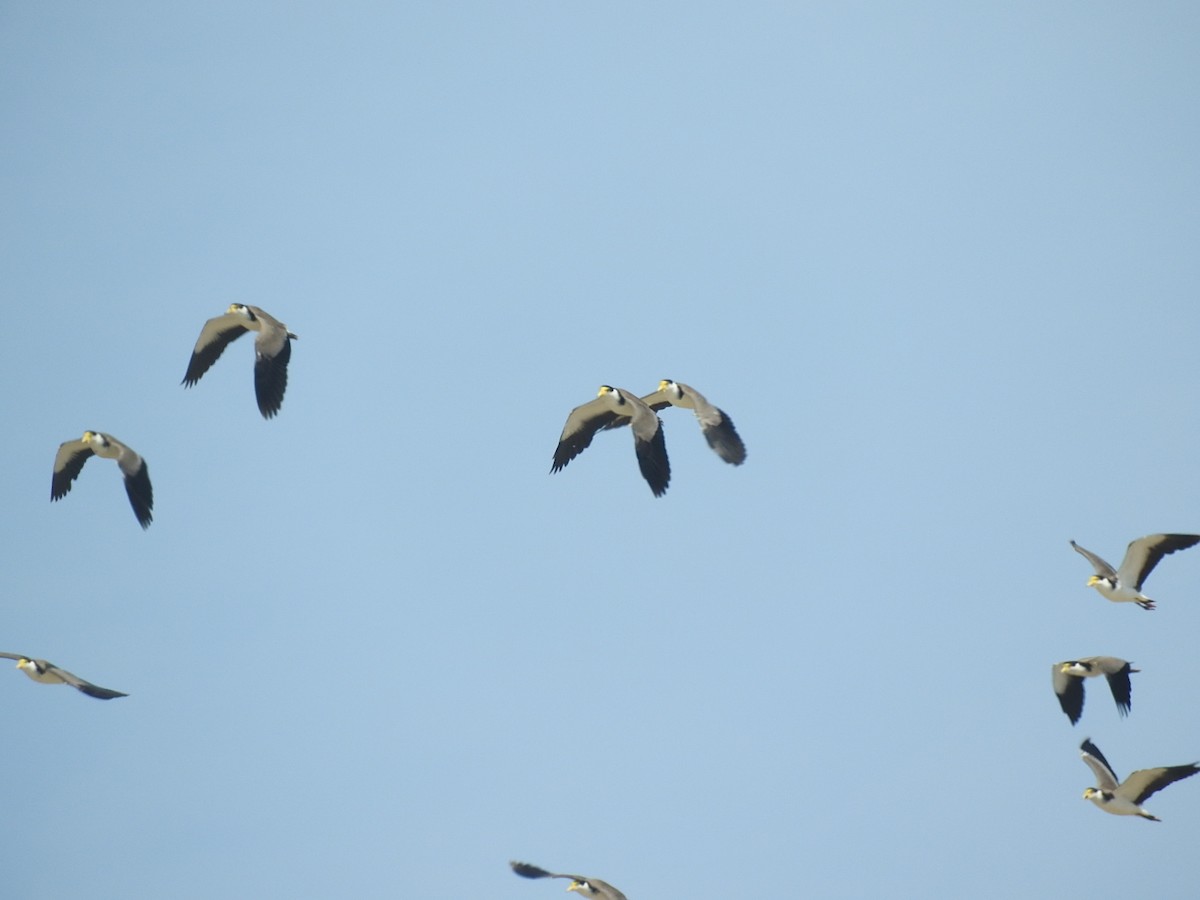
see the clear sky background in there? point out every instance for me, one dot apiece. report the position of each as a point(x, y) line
point(938, 262)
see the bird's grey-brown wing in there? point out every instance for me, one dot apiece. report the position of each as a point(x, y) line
point(1102, 568)
point(215, 336)
point(16, 656)
point(605, 890)
point(68, 463)
point(270, 371)
point(1106, 778)
point(92, 690)
point(1069, 690)
point(1143, 554)
point(1144, 783)
point(582, 424)
point(651, 449)
point(657, 401)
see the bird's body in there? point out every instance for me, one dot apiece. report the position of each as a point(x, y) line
point(272, 350)
point(45, 672)
point(71, 456)
point(717, 427)
point(586, 887)
point(1126, 798)
point(1067, 678)
point(610, 405)
point(1124, 585)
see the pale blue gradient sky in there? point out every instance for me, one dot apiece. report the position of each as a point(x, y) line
point(939, 264)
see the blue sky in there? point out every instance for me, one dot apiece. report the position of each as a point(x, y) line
point(937, 262)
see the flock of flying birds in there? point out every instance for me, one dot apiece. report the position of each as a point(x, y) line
point(1123, 585)
point(615, 407)
point(612, 408)
point(272, 350)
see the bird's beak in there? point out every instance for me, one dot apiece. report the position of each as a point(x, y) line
point(1094, 580)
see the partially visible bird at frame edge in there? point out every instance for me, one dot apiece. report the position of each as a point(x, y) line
point(45, 672)
point(585, 886)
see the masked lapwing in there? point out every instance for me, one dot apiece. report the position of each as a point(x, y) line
point(1068, 676)
point(586, 887)
point(68, 463)
point(1124, 585)
point(44, 672)
point(1127, 797)
point(716, 426)
point(272, 350)
point(611, 404)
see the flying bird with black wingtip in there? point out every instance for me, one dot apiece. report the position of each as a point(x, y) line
point(1067, 678)
point(610, 405)
point(71, 456)
point(586, 887)
point(45, 672)
point(1124, 585)
point(272, 350)
point(715, 425)
point(1126, 798)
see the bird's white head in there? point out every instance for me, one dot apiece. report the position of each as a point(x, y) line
point(1091, 792)
point(1097, 580)
point(670, 387)
point(613, 395)
point(1075, 668)
point(24, 663)
point(582, 886)
point(240, 309)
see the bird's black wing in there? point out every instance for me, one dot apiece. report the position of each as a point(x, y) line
point(652, 460)
point(270, 379)
point(1069, 690)
point(1122, 690)
point(141, 494)
point(723, 438)
point(525, 870)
